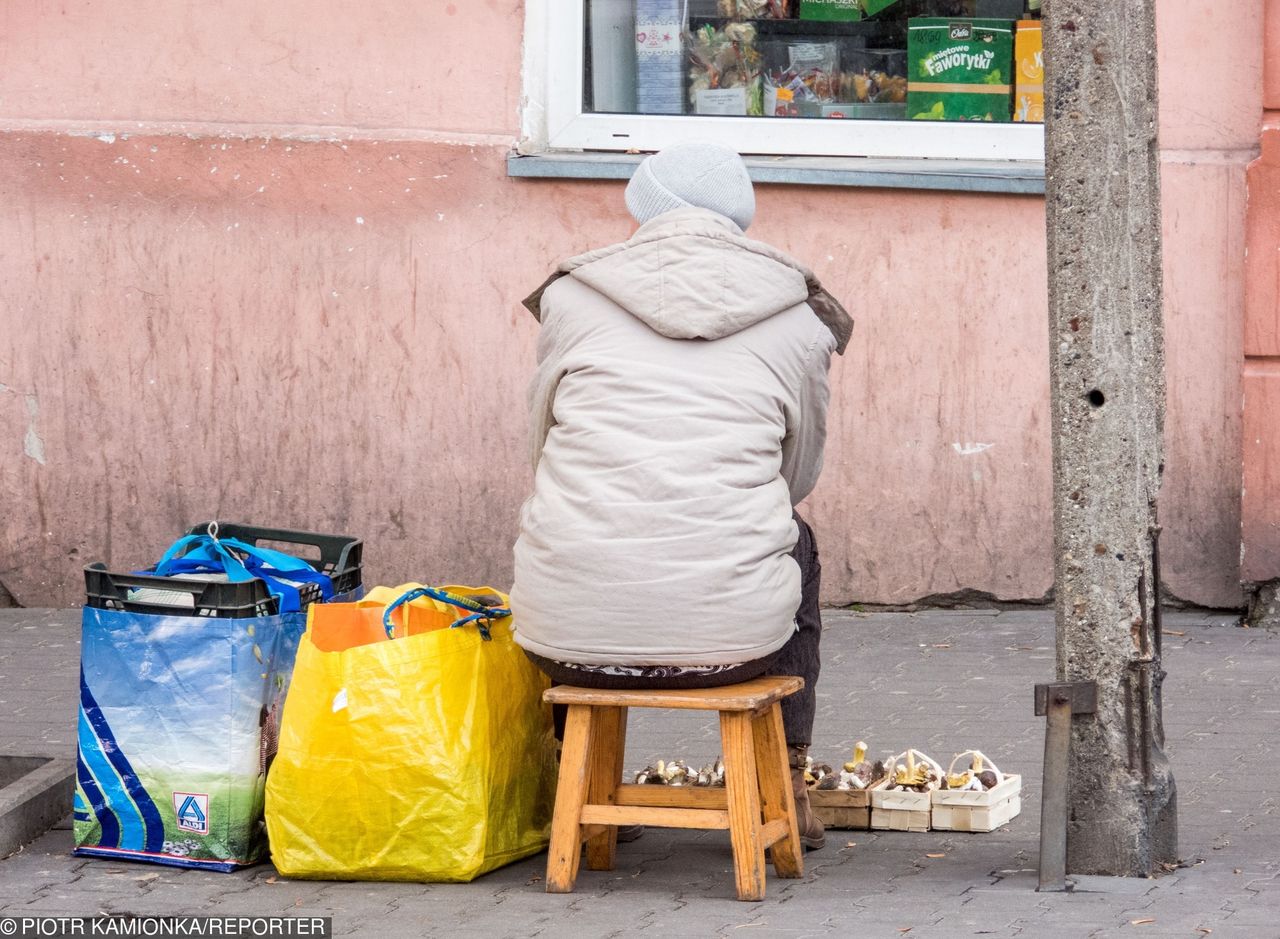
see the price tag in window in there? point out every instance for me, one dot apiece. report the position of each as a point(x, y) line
point(721, 101)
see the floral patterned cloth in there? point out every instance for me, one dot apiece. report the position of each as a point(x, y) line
point(649, 671)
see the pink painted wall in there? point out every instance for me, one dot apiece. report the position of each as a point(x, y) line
point(1206, 147)
point(383, 64)
point(1261, 499)
point(326, 333)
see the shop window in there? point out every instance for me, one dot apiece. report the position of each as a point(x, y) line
point(949, 79)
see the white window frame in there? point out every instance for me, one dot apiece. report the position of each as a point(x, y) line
point(552, 118)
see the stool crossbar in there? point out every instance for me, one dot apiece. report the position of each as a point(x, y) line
point(756, 805)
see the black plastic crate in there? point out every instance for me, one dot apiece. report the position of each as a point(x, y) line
point(340, 555)
point(339, 558)
point(109, 590)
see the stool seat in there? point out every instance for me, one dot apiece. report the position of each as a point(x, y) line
point(756, 805)
point(753, 695)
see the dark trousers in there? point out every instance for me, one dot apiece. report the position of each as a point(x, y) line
point(798, 657)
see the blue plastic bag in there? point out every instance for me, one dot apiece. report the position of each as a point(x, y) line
point(179, 718)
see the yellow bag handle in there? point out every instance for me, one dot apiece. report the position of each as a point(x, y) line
point(481, 614)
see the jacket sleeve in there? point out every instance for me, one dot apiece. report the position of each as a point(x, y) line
point(546, 378)
point(806, 437)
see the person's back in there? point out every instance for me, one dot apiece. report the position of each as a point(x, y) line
point(679, 413)
point(677, 368)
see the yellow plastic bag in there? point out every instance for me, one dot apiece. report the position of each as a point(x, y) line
point(427, 757)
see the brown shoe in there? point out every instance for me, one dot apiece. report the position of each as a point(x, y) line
point(629, 833)
point(812, 834)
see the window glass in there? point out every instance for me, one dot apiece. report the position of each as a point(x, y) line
point(940, 60)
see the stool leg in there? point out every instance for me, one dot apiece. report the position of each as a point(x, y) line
point(571, 791)
point(744, 803)
point(608, 749)
point(776, 797)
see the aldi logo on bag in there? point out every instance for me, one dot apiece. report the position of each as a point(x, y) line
point(192, 810)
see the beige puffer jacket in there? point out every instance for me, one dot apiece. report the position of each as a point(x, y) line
point(679, 411)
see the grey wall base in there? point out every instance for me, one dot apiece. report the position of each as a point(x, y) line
point(35, 794)
point(1264, 606)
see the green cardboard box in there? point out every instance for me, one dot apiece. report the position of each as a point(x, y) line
point(872, 7)
point(842, 10)
point(831, 10)
point(959, 70)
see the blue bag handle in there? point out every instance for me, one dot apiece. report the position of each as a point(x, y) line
point(206, 554)
point(283, 584)
point(481, 615)
point(288, 594)
point(268, 564)
point(204, 549)
point(277, 559)
point(304, 575)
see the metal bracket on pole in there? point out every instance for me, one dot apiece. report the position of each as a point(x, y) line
point(1058, 702)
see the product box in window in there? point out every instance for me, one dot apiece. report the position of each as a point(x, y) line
point(841, 10)
point(799, 74)
point(959, 69)
point(872, 7)
point(755, 9)
point(831, 10)
point(877, 76)
point(724, 70)
point(1028, 56)
point(659, 56)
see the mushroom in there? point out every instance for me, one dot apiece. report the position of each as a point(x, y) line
point(653, 775)
point(809, 778)
point(677, 773)
point(964, 780)
point(986, 777)
point(914, 776)
point(859, 769)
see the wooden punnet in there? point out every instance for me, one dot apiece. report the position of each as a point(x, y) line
point(895, 810)
point(848, 808)
point(973, 810)
point(842, 808)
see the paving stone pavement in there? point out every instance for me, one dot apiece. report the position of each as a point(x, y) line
point(942, 681)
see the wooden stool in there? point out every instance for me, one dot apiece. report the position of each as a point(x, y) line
point(756, 803)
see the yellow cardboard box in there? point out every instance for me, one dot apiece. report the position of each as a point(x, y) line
point(1028, 70)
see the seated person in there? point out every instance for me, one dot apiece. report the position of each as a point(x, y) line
point(678, 415)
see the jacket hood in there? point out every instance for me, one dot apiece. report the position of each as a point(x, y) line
point(692, 274)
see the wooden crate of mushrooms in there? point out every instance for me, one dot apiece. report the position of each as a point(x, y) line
point(908, 793)
point(842, 798)
point(981, 798)
point(902, 800)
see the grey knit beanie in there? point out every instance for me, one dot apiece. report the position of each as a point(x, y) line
point(704, 175)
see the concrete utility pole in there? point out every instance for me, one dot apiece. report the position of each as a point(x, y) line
point(1107, 371)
